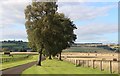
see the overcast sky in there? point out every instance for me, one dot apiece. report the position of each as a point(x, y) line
point(95, 21)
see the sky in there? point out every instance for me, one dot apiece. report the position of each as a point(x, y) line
point(96, 20)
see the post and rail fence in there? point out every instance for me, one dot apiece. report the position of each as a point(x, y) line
point(3, 60)
point(108, 65)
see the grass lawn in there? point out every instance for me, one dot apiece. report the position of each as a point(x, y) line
point(16, 63)
point(60, 67)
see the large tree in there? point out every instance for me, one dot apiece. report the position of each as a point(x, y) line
point(38, 15)
point(48, 31)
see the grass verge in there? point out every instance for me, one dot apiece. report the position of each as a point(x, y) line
point(16, 63)
point(60, 67)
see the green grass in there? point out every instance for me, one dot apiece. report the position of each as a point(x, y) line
point(16, 63)
point(61, 67)
point(14, 56)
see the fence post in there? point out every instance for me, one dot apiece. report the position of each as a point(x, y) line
point(83, 63)
point(101, 65)
point(79, 62)
point(95, 54)
point(76, 62)
point(110, 66)
point(93, 64)
point(88, 63)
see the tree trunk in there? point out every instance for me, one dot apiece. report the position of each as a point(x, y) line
point(39, 58)
point(60, 56)
point(50, 56)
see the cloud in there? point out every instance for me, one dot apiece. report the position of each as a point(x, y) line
point(84, 12)
point(88, 0)
point(95, 32)
point(9, 33)
point(12, 12)
point(97, 29)
point(12, 19)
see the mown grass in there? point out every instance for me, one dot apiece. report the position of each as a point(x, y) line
point(16, 63)
point(60, 67)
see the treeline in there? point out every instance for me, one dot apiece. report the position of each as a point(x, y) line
point(12, 41)
point(14, 46)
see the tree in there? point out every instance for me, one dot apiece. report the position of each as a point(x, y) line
point(49, 32)
point(38, 15)
point(64, 35)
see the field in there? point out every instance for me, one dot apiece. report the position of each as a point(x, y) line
point(79, 62)
point(86, 49)
point(17, 59)
point(83, 60)
point(93, 57)
point(14, 56)
point(101, 60)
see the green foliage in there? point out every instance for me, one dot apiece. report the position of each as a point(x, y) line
point(47, 29)
point(17, 46)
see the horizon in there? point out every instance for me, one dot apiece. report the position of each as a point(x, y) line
point(74, 42)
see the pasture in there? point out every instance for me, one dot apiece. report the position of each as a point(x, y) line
point(14, 56)
point(106, 61)
point(93, 57)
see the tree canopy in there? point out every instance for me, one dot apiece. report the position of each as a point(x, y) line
point(48, 30)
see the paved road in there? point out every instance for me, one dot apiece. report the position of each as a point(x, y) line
point(16, 71)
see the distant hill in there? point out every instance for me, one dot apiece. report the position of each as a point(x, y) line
point(14, 45)
point(87, 49)
point(105, 47)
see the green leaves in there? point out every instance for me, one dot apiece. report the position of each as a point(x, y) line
point(47, 28)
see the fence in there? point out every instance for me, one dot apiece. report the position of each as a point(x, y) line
point(3, 60)
point(108, 65)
